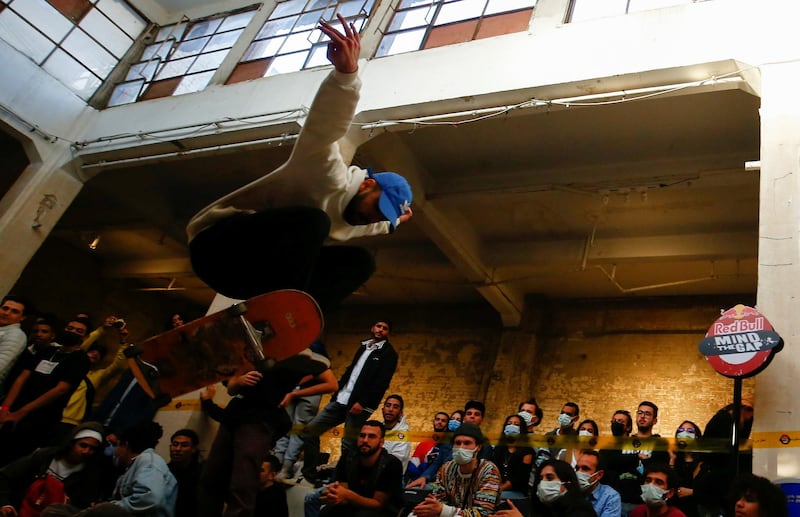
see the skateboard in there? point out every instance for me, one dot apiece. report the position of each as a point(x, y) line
point(260, 332)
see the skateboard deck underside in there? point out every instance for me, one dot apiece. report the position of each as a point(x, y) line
point(213, 348)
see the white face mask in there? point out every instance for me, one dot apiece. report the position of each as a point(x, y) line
point(462, 456)
point(584, 480)
point(686, 434)
point(511, 430)
point(549, 491)
point(564, 420)
point(653, 495)
point(584, 432)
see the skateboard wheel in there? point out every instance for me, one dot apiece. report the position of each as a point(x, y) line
point(237, 310)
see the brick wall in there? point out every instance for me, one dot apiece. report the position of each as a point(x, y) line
point(602, 354)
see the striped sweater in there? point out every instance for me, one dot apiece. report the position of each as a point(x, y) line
point(472, 495)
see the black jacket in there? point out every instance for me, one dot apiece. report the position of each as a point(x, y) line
point(374, 379)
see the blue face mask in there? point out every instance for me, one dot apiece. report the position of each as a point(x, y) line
point(511, 430)
point(453, 425)
point(109, 451)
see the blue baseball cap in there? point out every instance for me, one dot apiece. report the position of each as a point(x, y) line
point(395, 197)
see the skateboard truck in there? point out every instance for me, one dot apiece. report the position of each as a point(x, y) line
point(253, 335)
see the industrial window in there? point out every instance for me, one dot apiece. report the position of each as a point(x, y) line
point(79, 42)
point(422, 24)
point(590, 9)
point(290, 41)
point(182, 58)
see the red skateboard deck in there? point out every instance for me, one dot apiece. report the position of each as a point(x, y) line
point(215, 347)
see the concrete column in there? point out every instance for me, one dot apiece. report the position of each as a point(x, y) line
point(777, 407)
point(32, 207)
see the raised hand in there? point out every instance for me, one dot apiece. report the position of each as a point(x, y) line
point(343, 49)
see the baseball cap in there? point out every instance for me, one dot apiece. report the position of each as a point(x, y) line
point(395, 197)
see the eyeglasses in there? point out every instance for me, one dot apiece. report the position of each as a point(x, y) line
point(644, 413)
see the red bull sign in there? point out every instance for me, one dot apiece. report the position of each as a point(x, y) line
point(740, 343)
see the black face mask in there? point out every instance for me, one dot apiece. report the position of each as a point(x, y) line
point(68, 339)
point(617, 428)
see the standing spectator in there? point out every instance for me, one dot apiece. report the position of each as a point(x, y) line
point(686, 464)
point(361, 390)
point(34, 404)
point(12, 338)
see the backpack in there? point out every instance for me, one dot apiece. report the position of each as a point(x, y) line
point(43, 492)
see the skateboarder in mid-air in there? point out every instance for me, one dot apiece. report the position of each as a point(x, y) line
point(269, 234)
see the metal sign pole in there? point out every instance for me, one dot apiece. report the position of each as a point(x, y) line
point(737, 412)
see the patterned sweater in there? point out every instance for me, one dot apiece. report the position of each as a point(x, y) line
point(472, 495)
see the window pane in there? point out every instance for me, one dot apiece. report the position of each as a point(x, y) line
point(71, 73)
point(296, 42)
point(203, 28)
point(124, 16)
point(237, 21)
point(90, 53)
point(171, 31)
point(319, 56)
point(287, 8)
point(108, 34)
point(351, 8)
point(157, 50)
point(17, 33)
point(224, 40)
point(190, 48)
point(412, 18)
point(277, 27)
point(413, 3)
point(41, 14)
point(286, 64)
point(461, 10)
point(264, 48)
point(193, 83)
point(591, 9)
point(208, 61)
point(319, 4)
point(143, 70)
point(401, 42)
point(501, 6)
point(308, 21)
point(174, 68)
point(125, 93)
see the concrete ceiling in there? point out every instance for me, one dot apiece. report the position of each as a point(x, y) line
point(629, 199)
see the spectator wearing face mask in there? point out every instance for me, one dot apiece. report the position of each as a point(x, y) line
point(587, 428)
point(570, 412)
point(659, 488)
point(513, 461)
point(622, 465)
point(445, 454)
point(469, 486)
point(686, 465)
point(37, 398)
point(558, 493)
point(590, 471)
point(427, 451)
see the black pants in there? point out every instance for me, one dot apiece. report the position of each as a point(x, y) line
point(281, 248)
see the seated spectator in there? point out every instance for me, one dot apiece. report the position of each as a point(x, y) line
point(686, 465)
point(558, 492)
point(147, 487)
point(367, 483)
point(754, 496)
point(185, 465)
point(427, 450)
point(456, 417)
point(513, 462)
point(271, 498)
point(531, 412)
point(395, 420)
point(660, 485)
point(585, 428)
point(469, 486)
point(590, 471)
point(445, 454)
point(74, 465)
